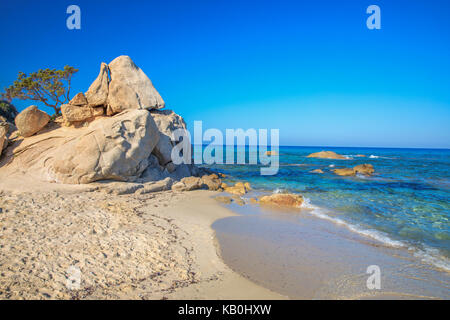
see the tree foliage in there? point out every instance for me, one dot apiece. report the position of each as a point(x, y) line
point(8, 111)
point(49, 86)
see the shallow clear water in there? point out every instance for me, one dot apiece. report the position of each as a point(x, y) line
point(405, 203)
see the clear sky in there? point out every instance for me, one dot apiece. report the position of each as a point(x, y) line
point(310, 68)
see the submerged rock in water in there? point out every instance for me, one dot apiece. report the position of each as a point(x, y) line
point(327, 155)
point(282, 199)
point(366, 169)
point(317, 171)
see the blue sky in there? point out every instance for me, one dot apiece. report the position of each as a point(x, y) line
point(310, 68)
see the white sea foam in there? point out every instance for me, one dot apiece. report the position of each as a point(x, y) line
point(427, 255)
point(331, 165)
point(373, 157)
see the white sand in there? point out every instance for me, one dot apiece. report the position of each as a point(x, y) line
point(153, 246)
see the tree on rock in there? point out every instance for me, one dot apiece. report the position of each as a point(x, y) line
point(49, 86)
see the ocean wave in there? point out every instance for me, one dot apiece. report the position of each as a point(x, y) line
point(427, 255)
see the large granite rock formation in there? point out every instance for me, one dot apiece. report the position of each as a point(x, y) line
point(113, 132)
point(130, 88)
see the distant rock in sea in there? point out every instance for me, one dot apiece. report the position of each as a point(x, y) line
point(327, 155)
point(366, 169)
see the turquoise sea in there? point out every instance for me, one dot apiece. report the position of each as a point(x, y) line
point(406, 203)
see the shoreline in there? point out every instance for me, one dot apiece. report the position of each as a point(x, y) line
point(320, 258)
point(153, 246)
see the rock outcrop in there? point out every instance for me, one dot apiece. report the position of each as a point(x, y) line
point(327, 155)
point(239, 188)
point(97, 93)
point(31, 120)
point(78, 100)
point(365, 169)
point(114, 148)
point(282, 200)
point(113, 132)
point(167, 122)
point(130, 88)
point(317, 171)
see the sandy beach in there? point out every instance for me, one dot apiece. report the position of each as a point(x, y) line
point(154, 246)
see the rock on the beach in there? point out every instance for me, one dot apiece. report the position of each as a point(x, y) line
point(282, 199)
point(344, 172)
point(73, 113)
point(31, 120)
point(188, 184)
point(115, 148)
point(130, 88)
point(327, 155)
point(167, 122)
point(212, 181)
point(317, 171)
point(97, 93)
point(238, 189)
point(78, 100)
point(224, 199)
point(157, 186)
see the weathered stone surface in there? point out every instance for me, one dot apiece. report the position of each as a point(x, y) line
point(130, 88)
point(327, 155)
point(282, 199)
point(212, 181)
point(121, 188)
point(344, 172)
point(167, 122)
point(238, 189)
point(72, 113)
point(365, 168)
point(31, 120)
point(238, 200)
point(158, 186)
point(97, 93)
point(224, 199)
point(115, 148)
point(79, 100)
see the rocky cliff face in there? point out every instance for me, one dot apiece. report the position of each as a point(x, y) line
point(115, 131)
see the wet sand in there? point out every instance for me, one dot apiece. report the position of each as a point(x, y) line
point(304, 257)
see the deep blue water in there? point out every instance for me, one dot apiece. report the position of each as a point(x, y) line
point(407, 200)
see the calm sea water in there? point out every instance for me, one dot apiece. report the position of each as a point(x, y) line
point(405, 203)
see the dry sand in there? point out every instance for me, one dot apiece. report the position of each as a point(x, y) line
point(153, 246)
